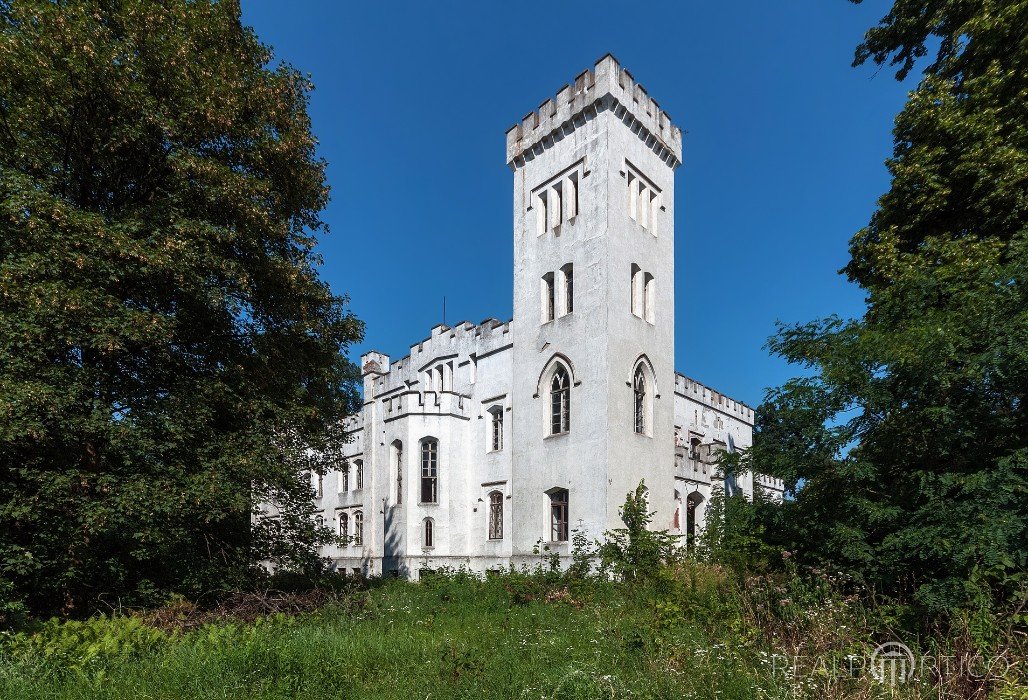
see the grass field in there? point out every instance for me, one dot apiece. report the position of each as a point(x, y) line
point(452, 637)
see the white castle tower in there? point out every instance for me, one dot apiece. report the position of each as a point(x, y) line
point(593, 299)
point(490, 439)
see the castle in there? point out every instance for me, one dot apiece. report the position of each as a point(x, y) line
point(489, 439)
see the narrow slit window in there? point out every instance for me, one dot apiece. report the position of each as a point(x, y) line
point(429, 471)
point(559, 515)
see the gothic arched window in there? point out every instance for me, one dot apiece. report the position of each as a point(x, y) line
point(344, 526)
point(560, 401)
point(639, 386)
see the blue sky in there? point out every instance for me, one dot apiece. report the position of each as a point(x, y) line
point(783, 147)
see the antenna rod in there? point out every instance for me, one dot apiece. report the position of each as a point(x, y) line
point(444, 309)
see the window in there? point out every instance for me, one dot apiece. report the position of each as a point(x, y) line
point(358, 528)
point(556, 201)
point(359, 474)
point(649, 298)
point(568, 292)
point(642, 196)
point(496, 428)
point(496, 515)
point(693, 504)
point(344, 526)
point(429, 471)
point(548, 298)
point(398, 468)
point(637, 291)
point(429, 534)
point(320, 490)
point(639, 384)
point(559, 515)
point(319, 520)
point(344, 479)
point(560, 401)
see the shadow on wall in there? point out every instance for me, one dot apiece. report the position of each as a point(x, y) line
point(392, 524)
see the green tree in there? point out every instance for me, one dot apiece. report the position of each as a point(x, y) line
point(635, 551)
point(909, 434)
point(168, 354)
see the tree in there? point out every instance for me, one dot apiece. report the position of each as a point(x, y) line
point(909, 436)
point(168, 354)
point(635, 551)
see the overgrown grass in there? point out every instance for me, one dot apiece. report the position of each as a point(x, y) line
point(691, 632)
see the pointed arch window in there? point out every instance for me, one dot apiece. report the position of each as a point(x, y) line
point(560, 401)
point(639, 387)
point(496, 428)
point(496, 515)
point(344, 526)
point(428, 537)
point(429, 471)
point(358, 528)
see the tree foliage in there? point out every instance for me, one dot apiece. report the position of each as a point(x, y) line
point(908, 437)
point(168, 353)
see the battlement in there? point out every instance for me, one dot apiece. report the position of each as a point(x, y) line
point(609, 85)
point(703, 394)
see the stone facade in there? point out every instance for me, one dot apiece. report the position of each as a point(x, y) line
point(489, 439)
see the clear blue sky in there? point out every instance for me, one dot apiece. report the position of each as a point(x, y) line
point(783, 154)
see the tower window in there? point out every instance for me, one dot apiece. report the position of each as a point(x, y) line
point(643, 196)
point(557, 200)
point(496, 515)
point(568, 279)
point(637, 291)
point(559, 515)
point(560, 401)
point(649, 298)
point(640, 401)
point(429, 471)
point(548, 298)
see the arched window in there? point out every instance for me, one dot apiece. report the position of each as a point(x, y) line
point(429, 535)
point(496, 428)
point(358, 528)
point(398, 466)
point(693, 504)
point(559, 515)
point(429, 471)
point(639, 385)
point(344, 478)
point(496, 515)
point(359, 466)
point(344, 526)
point(319, 490)
point(319, 520)
point(560, 401)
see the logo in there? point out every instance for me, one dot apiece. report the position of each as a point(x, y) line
point(892, 663)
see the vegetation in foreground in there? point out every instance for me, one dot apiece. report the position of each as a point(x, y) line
point(693, 631)
point(633, 617)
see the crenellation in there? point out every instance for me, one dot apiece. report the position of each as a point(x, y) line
point(606, 86)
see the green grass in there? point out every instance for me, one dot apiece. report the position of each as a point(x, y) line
point(513, 637)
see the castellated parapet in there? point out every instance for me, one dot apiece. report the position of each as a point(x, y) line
point(606, 86)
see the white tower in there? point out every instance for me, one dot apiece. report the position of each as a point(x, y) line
point(594, 371)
